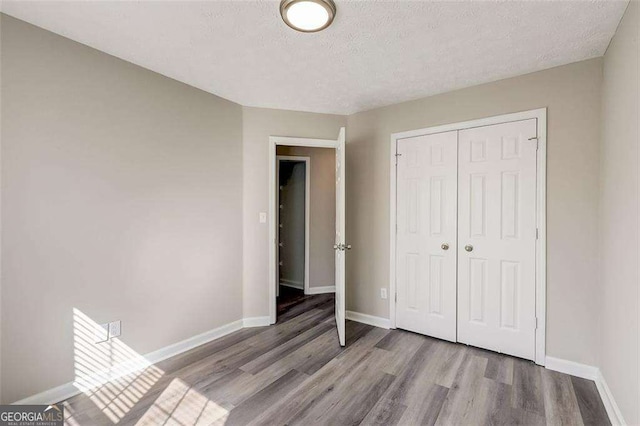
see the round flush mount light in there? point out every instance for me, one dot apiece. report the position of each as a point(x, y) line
point(308, 16)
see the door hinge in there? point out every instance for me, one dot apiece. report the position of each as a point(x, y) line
point(536, 323)
point(537, 234)
point(397, 155)
point(395, 296)
point(535, 138)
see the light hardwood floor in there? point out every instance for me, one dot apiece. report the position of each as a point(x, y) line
point(295, 373)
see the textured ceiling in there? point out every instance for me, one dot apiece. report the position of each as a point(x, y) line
point(376, 53)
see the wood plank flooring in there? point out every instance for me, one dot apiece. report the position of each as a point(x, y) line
point(295, 373)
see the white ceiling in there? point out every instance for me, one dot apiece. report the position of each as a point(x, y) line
point(376, 52)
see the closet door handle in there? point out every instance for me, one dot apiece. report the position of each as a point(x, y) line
point(445, 246)
point(468, 248)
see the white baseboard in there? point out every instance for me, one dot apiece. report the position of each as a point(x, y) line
point(68, 390)
point(591, 373)
point(51, 396)
point(192, 342)
point(256, 322)
point(573, 368)
point(369, 319)
point(615, 415)
point(322, 290)
point(293, 284)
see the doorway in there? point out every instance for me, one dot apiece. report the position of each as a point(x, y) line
point(468, 216)
point(293, 200)
point(335, 247)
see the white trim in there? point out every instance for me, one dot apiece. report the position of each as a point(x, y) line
point(393, 231)
point(68, 390)
point(369, 319)
point(308, 142)
point(51, 396)
point(589, 372)
point(541, 244)
point(321, 290)
point(274, 141)
point(256, 322)
point(481, 122)
point(193, 342)
point(573, 368)
point(615, 415)
point(307, 212)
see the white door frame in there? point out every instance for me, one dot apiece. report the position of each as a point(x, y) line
point(541, 243)
point(274, 141)
point(307, 204)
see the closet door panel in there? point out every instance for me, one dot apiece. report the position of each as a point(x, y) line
point(497, 236)
point(426, 235)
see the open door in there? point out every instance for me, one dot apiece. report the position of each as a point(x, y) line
point(340, 246)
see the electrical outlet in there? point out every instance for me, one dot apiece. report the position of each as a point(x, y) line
point(100, 333)
point(383, 293)
point(263, 217)
point(114, 329)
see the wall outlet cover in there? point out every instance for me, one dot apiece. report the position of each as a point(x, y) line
point(263, 217)
point(383, 293)
point(100, 333)
point(115, 329)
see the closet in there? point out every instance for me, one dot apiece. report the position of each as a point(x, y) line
point(466, 236)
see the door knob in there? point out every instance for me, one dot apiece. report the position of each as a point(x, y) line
point(468, 247)
point(335, 247)
point(445, 246)
point(348, 246)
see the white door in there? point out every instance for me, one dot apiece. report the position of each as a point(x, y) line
point(497, 237)
point(426, 234)
point(341, 245)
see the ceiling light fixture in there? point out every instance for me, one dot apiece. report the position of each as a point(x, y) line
point(308, 16)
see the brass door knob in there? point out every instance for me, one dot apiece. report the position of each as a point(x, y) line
point(445, 246)
point(468, 247)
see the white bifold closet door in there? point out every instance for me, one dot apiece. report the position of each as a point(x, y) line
point(497, 237)
point(426, 235)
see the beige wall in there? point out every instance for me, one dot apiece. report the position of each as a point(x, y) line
point(322, 215)
point(258, 124)
point(572, 95)
point(618, 295)
point(121, 197)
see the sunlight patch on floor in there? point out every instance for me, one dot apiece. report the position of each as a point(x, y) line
point(180, 404)
point(115, 378)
